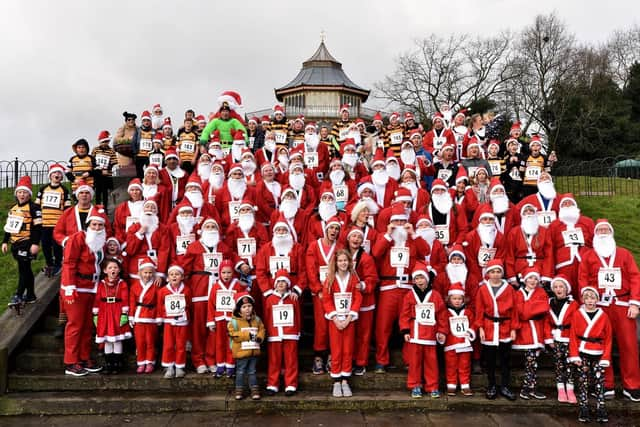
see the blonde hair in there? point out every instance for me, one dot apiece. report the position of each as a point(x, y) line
point(333, 267)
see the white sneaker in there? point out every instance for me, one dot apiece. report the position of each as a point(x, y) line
point(346, 390)
point(169, 372)
point(202, 369)
point(180, 373)
point(337, 390)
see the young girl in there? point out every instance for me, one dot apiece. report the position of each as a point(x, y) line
point(481, 185)
point(246, 333)
point(532, 306)
point(496, 321)
point(222, 299)
point(341, 299)
point(283, 322)
point(423, 321)
point(561, 309)
point(113, 250)
point(174, 301)
point(457, 347)
point(143, 301)
point(590, 339)
point(111, 315)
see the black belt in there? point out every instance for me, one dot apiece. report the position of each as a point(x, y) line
point(589, 339)
point(404, 278)
point(201, 273)
point(496, 319)
point(563, 327)
point(532, 257)
point(290, 274)
point(139, 304)
point(86, 276)
point(111, 300)
point(539, 316)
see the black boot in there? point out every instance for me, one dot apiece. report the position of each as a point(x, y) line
point(506, 392)
point(602, 416)
point(583, 415)
point(108, 363)
point(119, 363)
point(492, 393)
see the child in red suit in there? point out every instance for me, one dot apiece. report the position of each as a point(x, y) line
point(341, 299)
point(174, 302)
point(423, 321)
point(220, 310)
point(283, 322)
point(110, 315)
point(457, 347)
point(146, 316)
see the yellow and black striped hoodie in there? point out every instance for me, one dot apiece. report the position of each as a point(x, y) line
point(52, 201)
point(29, 218)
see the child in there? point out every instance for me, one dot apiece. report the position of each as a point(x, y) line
point(423, 324)
point(105, 160)
point(81, 166)
point(246, 333)
point(496, 164)
point(481, 185)
point(174, 301)
point(23, 229)
point(341, 299)
point(156, 155)
point(590, 340)
point(111, 315)
point(113, 250)
point(532, 164)
point(283, 322)
point(561, 309)
point(496, 321)
point(511, 178)
point(532, 306)
point(220, 307)
point(143, 300)
point(457, 347)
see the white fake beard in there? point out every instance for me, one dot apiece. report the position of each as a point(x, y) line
point(350, 159)
point(604, 245)
point(236, 151)
point(149, 220)
point(393, 170)
point(428, 234)
point(204, 171)
point(442, 202)
point(312, 140)
point(248, 167)
point(217, 153)
point(210, 238)
point(500, 204)
point(95, 240)
point(195, 198)
point(411, 186)
point(569, 215)
point(487, 233)
point(185, 224)
point(327, 210)
point(149, 190)
point(530, 224)
point(371, 205)
point(157, 122)
point(284, 160)
point(135, 208)
point(216, 180)
point(399, 236)
point(289, 208)
point(246, 222)
point(547, 190)
point(457, 273)
point(297, 181)
point(270, 145)
point(282, 244)
point(380, 177)
point(336, 176)
point(408, 157)
point(355, 134)
point(237, 187)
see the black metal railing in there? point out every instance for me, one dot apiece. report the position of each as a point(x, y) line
point(610, 176)
point(12, 170)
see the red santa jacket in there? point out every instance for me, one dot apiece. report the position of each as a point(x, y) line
point(266, 202)
point(560, 324)
point(450, 231)
point(143, 302)
point(434, 140)
point(321, 159)
point(282, 317)
point(370, 236)
point(436, 256)
point(496, 313)
point(467, 204)
point(245, 245)
point(222, 301)
point(317, 263)
point(504, 222)
point(156, 246)
point(297, 225)
point(207, 210)
point(443, 283)
point(590, 336)
point(520, 254)
point(202, 265)
point(365, 268)
point(178, 300)
point(315, 227)
point(69, 223)
point(532, 308)
point(345, 192)
point(568, 243)
point(384, 218)
point(546, 214)
point(162, 197)
point(226, 203)
point(176, 181)
point(394, 277)
point(422, 319)
point(103, 296)
point(80, 267)
point(180, 242)
point(478, 254)
point(460, 330)
point(342, 297)
point(122, 212)
point(264, 156)
point(267, 264)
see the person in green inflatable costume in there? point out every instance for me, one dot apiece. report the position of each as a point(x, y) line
point(227, 120)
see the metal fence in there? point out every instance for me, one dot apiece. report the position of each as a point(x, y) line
point(611, 176)
point(12, 170)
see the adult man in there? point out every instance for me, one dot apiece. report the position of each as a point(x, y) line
point(186, 146)
point(450, 225)
point(225, 124)
point(289, 210)
point(194, 197)
point(340, 128)
point(157, 120)
point(296, 134)
point(182, 233)
point(269, 190)
point(315, 155)
point(173, 176)
point(142, 143)
point(383, 186)
point(446, 168)
point(438, 136)
point(232, 193)
point(483, 243)
point(544, 200)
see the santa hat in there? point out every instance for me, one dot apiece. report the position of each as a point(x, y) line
point(448, 146)
point(310, 125)
point(185, 208)
point(493, 264)
point(146, 115)
point(264, 165)
point(278, 109)
point(408, 116)
point(462, 112)
point(473, 142)
point(602, 222)
point(296, 165)
point(234, 167)
point(415, 132)
point(457, 249)
point(456, 288)
point(390, 157)
point(247, 203)
point(530, 272)
point(564, 280)
point(437, 116)
point(494, 142)
point(439, 184)
point(158, 137)
point(149, 202)
point(81, 141)
point(515, 127)
point(265, 120)
point(527, 205)
point(134, 183)
point(378, 158)
point(462, 174)
point(151, 167)
point(112, 239)
point(287, 190)
point(104, 136)
point(485, 210)
point(81, 185)
point(512, 141)
point(299, 118)
point(424, 218)
point(194, 180)
point(335, 161)
point(297, 152)
point(175, 267)
point(146, 262)
point(421, 268)
point(589, 288)
point(282, 274)
point(241, 299)
point(253, 120)
point(231, 98)
point(535, 139)
point(24, 183)
point(481, 168)
point(403, 194)
point(56, 167)
point(97, 214)
point(359, 121)
point(344, 107)
point(568, 196)
point(393, 115)
point(171, 153)
point(544, 176)
point(281, 222)
point(365, 183)
point(238, 136)
point(327, 193)
point(494, 184)
point(347, 143)
point(166, 123)
point(398, 212)
point(334, 220)
point(411, 169)
point(377, 117)
point(200, 119)
point(354, 230)
point(246, 151)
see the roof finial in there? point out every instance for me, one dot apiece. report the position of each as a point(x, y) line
point(322, 36)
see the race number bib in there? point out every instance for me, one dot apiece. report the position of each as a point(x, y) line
point(399, 257)
point(342, 135)
point(145, 144)
point(472, 171)
point(485, 255)
point(322, 273)
point(545, 218)
point(188, 147)
point(426, 314)
point(342, 302)
point(250, 345)
point(366, 245)
point(130, 221)
point(444, 174)
point(442, 233)
point(234, 210)
point(395, 138)
point(14, 224)
point(279, 263)
point(183, 242)
point(174, 305)
point(51, 199)
point(252, 141)
point(281, 137)
point(282, 315)
point(311, 159)
point(225, 300)
point(532, 173)
point(496, 168)
point(102, 161)
point(156, 158)
point(438, 142)
point(459, 326)
point(610, 278)
point(573, 237)
point(341, 192)
point(212, 261)
point(246, 247)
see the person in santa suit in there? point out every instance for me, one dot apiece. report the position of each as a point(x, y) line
point(214, 183)
point(173, 176)
point(392, 165)
point(450, 225)
point(395, 252)
point(545, 200)
point(318, 255)
point(315, 155)
point(410, 179)
point(295, 217)
point(446, 167)
point(250, 168)
point(384, 187)
point(570, 235)
point(366, 193)
point(216, 152)
point(340, 184)
point(613, 271)
point(365, 267)
point(203, 167)
point(423, 324)
point(463, 195)
point(458, 345)
point(144, 318)
point(317, 222)
point(182, 233)
point(148, 238)
point(269, 190)
point(267, 154)
point(352, 162)
point(284, 324)
point(436, 253)
point(456, 271)
point(532, 305)
point(239, 144)
point(128, 212)
point(438, 136)
point(484, 243)
point(193, 197)
point(153, 190)
point(504, 211)
point(411, 159)
point(83, 253)
point(305, 192)
point(496, 320)
point(402, 197)
point(460, 131)
point(232, 193)
point(361, 219)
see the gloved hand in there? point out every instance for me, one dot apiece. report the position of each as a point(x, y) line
point(124, 319)
point(95, 320)
point(69, 297)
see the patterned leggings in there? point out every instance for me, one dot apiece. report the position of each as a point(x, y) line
point(530, 369)
point(564, 369)
point(590, 371)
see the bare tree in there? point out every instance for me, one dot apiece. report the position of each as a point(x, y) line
point(624, 50)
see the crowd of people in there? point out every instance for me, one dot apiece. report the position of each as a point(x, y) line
point(448, 237)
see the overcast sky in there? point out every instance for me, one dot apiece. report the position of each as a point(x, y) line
point(70, 68)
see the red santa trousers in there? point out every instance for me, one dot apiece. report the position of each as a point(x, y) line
point(224, 357)
point(145, 335)
point(625, 332)
point(174, 346)
point(202, 340)
point(282, 355)
point(79, 329)
point(388, 311)
point(320, 333)
point(423, 364)
point(364, 325)
point(457, 368)
point(342, 344)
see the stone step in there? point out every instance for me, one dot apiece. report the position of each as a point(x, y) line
point(101, 402)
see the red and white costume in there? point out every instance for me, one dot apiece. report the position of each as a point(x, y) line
point(70, 223)
point(143, 303)
point(156, 245)
point(496, 313)
point(532, 308)
point(365, 267)
point(268, 261)
point(458, 345)
point(172, 301)
point(593, 337)
point(111, 302)
point(523, 252)
point(220, 311)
